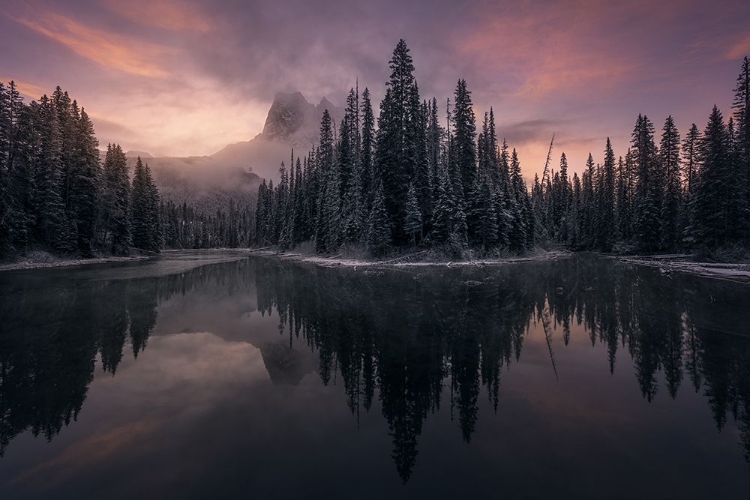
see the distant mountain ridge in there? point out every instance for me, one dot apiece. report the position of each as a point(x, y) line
point(234, 172)
point(292, 122)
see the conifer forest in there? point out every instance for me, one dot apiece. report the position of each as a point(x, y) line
point(422, 175)
point(432, 176)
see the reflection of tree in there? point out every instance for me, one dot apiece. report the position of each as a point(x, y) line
point(52, 332)
point(397, 338)
point(404, 335)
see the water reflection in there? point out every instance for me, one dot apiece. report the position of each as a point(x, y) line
point(406, 339)
point(408, 335)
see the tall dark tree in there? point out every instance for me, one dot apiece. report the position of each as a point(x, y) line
point(84, 181)
point(713, 205)
point(413, 222)
point(606, 227)
point(741, 107)
point(669, 155)
point(649, 189)
point(464, 156)
point(145, 210)
point(115, 211)
point(395, 151)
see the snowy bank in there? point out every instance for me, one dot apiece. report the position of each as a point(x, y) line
point(419, 259)
point(679, 263)
point(37, 261)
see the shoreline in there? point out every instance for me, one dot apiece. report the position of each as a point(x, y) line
point(403, 262)
point(667, 264)
point(24, 265)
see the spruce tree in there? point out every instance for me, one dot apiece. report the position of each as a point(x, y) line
point(712, 204)
point(648, 190)
point(485, 234)
point(378, 230)
point(144, 221)
point(115, 200)
point(395, 155)
point(464, 136)
point(607, 228)
point(669, 153)
point(84, 181)
point(741, 105)
point(413, 221)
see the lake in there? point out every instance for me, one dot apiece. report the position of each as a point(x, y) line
point(209, 375)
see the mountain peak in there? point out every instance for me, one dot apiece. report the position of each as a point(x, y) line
point(286, 116)
point(135, 154)
point(295, 121)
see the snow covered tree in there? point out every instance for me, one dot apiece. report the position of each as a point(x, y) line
point(84, 181)
point(463, 153)
point(648, 190)
point(606, 197)
point(378, 231)
point(669, 155)
point(396, 149)
point(712, 204)
point(413, 222)
point(145, 210)
point(115, 201)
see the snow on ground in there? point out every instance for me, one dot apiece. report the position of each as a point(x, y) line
point(678, 263)
point(32, 263)
point(406, 260)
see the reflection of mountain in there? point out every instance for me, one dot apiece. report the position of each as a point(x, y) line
point(408, 342)
point(285, 365)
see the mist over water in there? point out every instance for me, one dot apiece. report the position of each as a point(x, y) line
point(267, 378)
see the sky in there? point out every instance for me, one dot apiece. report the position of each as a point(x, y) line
point(187, 77)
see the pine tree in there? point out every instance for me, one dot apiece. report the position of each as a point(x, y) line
point(367, 149)
point(712, 204)
point(395, 154)
point(648, 188)
point(145, 226)
point(607, 228)
point(327, 208)
point(518, 237)
point(413, 221)
point(444, 213)
point(378, 231)
point(115, 200)
point(84, 180)
point(464, 136)
point(50, 209)
point(484, 215)
point(588, 204)
point(669, 152)
point(741, 107)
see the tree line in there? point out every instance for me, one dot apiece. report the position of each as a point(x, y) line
point(410, 181)
point(55, 193)
point(686, 193)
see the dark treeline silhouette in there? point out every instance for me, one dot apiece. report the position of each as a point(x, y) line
point(185, 227)
point(412, 182)
point(682, 194)
point(451, 332)
point(54, 193)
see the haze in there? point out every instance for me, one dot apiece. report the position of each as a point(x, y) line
point(182, 77)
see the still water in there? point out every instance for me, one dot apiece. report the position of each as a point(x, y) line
point(208, 375)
